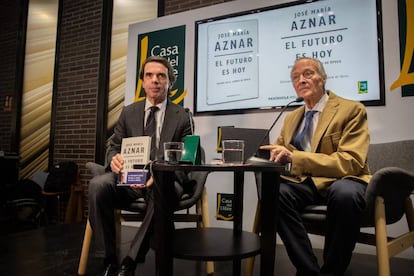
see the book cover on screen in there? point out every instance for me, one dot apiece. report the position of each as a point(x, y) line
point(135, 151)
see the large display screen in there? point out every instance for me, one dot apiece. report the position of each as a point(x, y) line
point(243, 60)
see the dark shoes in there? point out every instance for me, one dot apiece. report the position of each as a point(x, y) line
point(126, 271)
point(110, 270)
point(127, 267)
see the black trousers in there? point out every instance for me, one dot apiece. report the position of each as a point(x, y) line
point(140, 245)
point(345, 201)
point(103, 198)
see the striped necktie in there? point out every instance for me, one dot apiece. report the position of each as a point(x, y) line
point(150, 130)
point(299, 139)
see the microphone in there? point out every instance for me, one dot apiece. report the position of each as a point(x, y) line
point(190, 115)
point(254, 160)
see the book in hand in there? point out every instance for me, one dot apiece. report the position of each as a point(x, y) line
point(135, 151)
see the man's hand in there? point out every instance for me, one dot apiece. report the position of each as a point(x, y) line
point(278, 154)
point(117, 163)
point(149, 183)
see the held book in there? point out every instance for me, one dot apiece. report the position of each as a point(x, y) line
point(135, 151)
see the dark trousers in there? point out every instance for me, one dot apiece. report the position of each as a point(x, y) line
point(140, 245)
point(103, 198)
point(345, 201)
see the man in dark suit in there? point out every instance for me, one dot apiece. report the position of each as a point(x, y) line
point(172, 124)
point(328, 164)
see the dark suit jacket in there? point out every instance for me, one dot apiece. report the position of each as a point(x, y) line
point(339, 146)
point(131, 123)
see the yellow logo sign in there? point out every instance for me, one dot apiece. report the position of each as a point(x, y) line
point(406, 77)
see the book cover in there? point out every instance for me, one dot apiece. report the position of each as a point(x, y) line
point(135, 151)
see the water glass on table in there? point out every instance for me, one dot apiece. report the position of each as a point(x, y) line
point(233, 151)
point(173, 151)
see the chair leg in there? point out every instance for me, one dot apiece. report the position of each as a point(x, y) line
point(383, 261)
point(204, 209)
point(83, 262)
point(409, 213)
point(256, 229)
point(199, 211)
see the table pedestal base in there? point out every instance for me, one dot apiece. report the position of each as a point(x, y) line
point(214, 244)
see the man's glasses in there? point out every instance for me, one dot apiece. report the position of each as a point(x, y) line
point(308, 74)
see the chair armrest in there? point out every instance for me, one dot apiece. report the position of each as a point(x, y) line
point(200, 178)
point(96, 169)
point(394, 185)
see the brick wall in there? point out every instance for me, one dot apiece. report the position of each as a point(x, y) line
point(77, 82)
point(9, 22)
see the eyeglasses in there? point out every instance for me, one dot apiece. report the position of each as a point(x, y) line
point(308, 74)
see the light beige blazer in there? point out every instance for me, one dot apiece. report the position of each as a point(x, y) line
point(339, 147)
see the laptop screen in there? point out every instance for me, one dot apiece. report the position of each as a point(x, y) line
point(253, 138)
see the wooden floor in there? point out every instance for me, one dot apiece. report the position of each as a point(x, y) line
point(55, 250)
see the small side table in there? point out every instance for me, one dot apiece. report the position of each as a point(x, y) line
point(227, 243)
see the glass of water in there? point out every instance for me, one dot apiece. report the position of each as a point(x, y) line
point(173, 151)
point(233, 151)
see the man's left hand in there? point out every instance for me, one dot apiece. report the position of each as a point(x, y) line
point(278, 154)
point(149, 183)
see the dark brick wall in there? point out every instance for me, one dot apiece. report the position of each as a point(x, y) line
point(9, 22)
point(77, 82)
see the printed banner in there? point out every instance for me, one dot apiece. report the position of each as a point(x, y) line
point(406, 77)
point(224, 207)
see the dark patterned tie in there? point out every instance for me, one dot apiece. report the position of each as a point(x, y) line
point(150, 130)
point(298, 140)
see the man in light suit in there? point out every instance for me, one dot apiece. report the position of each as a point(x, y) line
point(328, 164)
point(172, 124)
